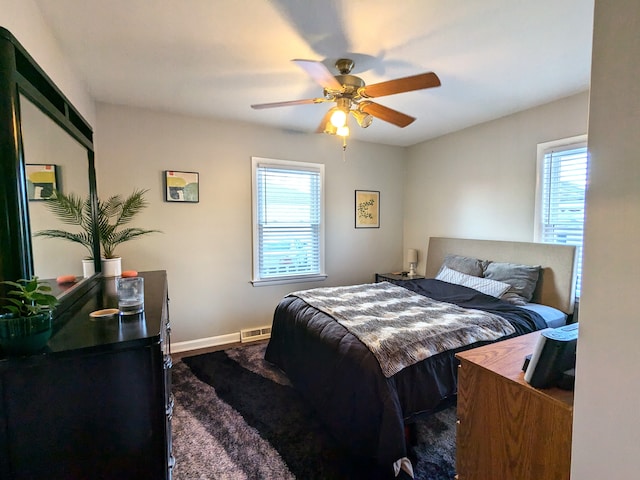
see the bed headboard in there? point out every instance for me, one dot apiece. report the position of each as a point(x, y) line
point(556, 286)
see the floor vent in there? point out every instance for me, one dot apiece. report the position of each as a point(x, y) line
point(253, 334)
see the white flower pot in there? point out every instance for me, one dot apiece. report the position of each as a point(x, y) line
point(88, 267)
point(111, 267)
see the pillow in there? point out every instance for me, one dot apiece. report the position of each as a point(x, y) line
point(522, 278)
point(468, 265)
point(483, 285)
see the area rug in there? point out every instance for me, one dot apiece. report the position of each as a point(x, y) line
point(237, 417)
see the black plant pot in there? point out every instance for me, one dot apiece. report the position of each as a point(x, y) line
point(24, 335)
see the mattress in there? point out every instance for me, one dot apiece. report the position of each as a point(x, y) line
point(552, 316)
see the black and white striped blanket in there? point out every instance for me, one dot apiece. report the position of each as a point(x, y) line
point(401, 327)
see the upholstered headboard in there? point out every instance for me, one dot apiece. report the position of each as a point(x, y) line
point(556, 286)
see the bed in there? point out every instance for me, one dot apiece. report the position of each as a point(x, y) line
point(367, 405)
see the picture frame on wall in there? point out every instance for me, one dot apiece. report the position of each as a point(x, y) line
point(181, 186)
point(367, 209)
point(42, 180)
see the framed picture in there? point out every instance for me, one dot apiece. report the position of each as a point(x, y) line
point(42, 181)
point(181, 186)
point(367, 209)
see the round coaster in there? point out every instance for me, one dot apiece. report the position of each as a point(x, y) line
point(107, 312)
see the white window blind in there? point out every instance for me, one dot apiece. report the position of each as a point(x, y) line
point(288, 220)
point(562, 198)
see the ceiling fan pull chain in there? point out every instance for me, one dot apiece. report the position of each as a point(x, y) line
point(344, 149)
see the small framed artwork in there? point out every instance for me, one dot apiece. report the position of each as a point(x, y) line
point(367, 209)
point(42, 181)
point(181, 186)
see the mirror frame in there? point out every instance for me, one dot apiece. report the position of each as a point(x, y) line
point(20, 74)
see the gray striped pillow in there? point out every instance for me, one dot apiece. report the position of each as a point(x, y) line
point(483, 285)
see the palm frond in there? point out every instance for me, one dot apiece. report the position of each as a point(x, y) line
point(131, 207)
point(83, 238)
point(112, 213)
point(122, 236)
point(69, 209)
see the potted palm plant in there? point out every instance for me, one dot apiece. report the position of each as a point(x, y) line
point(113, 214)
point(26, 325)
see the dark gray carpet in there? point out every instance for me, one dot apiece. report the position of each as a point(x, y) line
point(237, 417)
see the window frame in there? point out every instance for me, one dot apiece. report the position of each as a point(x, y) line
point(257, 280)
point(569, 143)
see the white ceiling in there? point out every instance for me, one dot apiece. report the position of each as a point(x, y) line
point(215, 58)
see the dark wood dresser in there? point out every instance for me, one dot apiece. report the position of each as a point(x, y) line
point(96, 403)
point(506, 428)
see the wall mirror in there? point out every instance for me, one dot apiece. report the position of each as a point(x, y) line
point(51, 152)
point(44, 143)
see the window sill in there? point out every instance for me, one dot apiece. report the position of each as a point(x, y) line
point(286, 280)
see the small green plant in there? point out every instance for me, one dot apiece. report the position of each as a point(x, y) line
point(113, 213)
point(71, 210)
point(29, 297)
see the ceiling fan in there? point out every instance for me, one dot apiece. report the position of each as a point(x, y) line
point(351, 95)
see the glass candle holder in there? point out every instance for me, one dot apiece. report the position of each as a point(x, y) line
point(130, 295)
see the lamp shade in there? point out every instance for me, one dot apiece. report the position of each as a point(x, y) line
point(338, 118)
point(412, 255)
point(343, 131)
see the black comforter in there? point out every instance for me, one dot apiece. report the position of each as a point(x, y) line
point(343, 381)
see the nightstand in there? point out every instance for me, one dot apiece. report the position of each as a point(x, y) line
point(395, 277)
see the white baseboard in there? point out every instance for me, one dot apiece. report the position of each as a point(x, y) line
point(205, 342)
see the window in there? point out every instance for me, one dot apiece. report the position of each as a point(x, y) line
point(288, 221)
point(562, 183)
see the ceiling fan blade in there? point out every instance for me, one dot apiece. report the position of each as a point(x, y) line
point(401, 85)
point(320, 73)
point(306, 101)
point(387, 114)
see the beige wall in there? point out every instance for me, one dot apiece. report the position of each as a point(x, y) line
point(24, 20)
point(480, 182)
point(206, 247)
point(607, 418)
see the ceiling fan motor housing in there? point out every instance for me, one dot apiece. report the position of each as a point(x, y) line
point(351, 84)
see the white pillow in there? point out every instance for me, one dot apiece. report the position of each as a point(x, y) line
point(483, 285)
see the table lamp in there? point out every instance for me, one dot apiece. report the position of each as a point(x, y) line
point(412, 260)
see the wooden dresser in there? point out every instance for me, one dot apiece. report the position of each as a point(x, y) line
point(506, 428)
point(96, 402)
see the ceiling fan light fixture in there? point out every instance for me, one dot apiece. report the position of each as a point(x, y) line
point(363, 119)
point(343, 131)
point(338, 117)
point(330, 129)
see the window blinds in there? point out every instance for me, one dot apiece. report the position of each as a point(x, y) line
point(563, 198)
point(288, 220)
